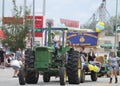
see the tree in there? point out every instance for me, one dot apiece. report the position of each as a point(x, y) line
point(110, 26)
point(15, 34)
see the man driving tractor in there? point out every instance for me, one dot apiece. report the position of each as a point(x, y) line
point(54, 42)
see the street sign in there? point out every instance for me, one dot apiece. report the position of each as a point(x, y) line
point(38, 21)
point(12, 20)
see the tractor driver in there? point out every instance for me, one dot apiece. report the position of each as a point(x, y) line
point(83, 56)
point(54, 42)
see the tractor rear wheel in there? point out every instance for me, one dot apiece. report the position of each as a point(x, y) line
point(93, 76)
point(74, 67)
point(29, 58)
point(32, 76)
point(46, 77)
point(63, 76)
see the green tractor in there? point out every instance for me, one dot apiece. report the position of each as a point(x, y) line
point(42, 60)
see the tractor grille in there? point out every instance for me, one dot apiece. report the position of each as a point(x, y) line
point(42, 57)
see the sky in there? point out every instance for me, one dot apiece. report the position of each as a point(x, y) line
point(79, 10)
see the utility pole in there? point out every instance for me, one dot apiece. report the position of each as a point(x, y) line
point(44, 7)
point(33, 24)
point(24, 17)
point(116, 26)
point(3, 4)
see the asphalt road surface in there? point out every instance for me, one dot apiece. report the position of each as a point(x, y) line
point(6, 79)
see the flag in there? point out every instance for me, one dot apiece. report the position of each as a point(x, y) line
point(70, 23)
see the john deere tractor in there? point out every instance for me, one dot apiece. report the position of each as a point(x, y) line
point(42, 59)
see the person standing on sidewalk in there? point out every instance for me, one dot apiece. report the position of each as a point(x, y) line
point(2, 53)
point(112, 61)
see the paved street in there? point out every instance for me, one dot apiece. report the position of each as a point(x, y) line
point(6, 79)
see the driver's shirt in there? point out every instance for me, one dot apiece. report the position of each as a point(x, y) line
point(54, 42)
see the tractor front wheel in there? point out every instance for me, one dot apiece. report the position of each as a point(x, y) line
point(63, 76)
point(46, 77)
point(93, 76)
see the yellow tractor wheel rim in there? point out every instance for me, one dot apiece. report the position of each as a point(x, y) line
point(65, 76)
point(79, 68)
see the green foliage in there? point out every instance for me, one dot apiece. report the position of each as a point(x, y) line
point(15, 34)
point(110, 26)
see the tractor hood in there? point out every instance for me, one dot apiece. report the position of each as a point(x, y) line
point(44, 48)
